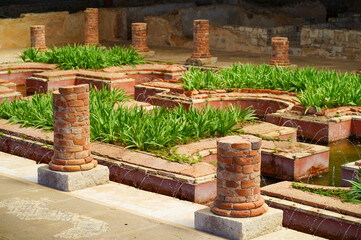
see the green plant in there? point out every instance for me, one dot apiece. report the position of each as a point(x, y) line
point(84, 56)
point(134, 128)
point(318, 89)
point(354, 195)
point(334, 192)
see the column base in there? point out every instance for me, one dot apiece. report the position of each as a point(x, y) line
point(71, 181)
point(147, 54)
point(201, 61)
point(238, 228)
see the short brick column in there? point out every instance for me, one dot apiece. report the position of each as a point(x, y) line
point(238, 177)
point(91, 28)
point(280, 46)
point(37, 37)
point(139, 37)
point(72, 130)
point(201, 39)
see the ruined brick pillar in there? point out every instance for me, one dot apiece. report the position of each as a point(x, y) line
point(72, 130)
point(201, 39)
point(37, 37)
point(91, 29)
point(280, 47)
point(139, 37)
point(238, 177)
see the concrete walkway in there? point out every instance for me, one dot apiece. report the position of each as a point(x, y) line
point(110, 211)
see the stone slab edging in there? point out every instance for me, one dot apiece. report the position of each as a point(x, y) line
point(200, 172)
point(7, 68)
point(316, 221)
point(284, 190)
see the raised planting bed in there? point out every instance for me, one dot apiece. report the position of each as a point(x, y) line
point(349, 171)
point(140, 169)
point(314, 214)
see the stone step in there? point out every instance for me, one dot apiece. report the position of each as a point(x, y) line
point(272, 131)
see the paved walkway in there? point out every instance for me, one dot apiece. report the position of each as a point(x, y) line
point(225, 58)
point(110, 211)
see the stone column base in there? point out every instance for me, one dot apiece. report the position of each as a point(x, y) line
point(201, 61)
point(147, 54)
point(238, 228)
point(71, 181)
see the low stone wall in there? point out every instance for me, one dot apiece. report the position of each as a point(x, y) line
point(62, 27)
point(330, 43)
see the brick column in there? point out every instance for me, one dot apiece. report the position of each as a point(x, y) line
point(72, 130)
point(238, 177)
point(280, 47)
point(91, 29)
point(201, 39)
point(37, 37)
point(139, 37)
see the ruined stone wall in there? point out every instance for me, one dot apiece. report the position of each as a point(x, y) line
point(330, 43)
point(62, 27)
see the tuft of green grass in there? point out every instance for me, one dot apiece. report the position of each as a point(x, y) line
point(335, 192)
point(84, 56)
point(319, 89)
point(134, 128)
point(354, 195)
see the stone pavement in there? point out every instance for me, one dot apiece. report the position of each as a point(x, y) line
point(110, 211)
point(179, 55)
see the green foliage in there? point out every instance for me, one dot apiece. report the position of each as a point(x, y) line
point(87, 57)
point(334, 192)
point(172, 155)
point(355, 192)
point(135, 127)
point(319, 89)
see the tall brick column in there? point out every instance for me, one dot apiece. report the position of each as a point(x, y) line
point(91, 28)
point(139, 37)
point(280, 46)
point(201, 39)
point(37, 37)
point(238, 177)
point(72, 130)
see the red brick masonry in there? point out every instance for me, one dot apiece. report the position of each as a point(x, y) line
point(201, 39)
point(91, 28)
point(238, 177)
point(139, 37)
point(37, 37)
point(280, 47)
point(72, 130)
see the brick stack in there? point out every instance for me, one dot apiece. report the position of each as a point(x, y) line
point(238, 177)
point(72, 130)
point(280, 47)
point(201, 39)
point(37, 37)
point(91, 29)
point(139, 37)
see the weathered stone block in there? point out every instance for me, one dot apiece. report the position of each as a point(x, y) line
point(71, 181)
point(238, 228)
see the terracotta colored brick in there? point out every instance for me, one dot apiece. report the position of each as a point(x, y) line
point(253, 152)
point(256, 159)
point(76, 162)
point(71, 168)
point(241, 213)
point(258, 211)
point(247, 169)
point(139, 37)
point(201, 39)
point(88, 159)
point(280, 47)
point(232, 184)
point(219, 211)
point(244, 145)
point(248, 184)
point(234, 153)
point(224, 204)
point(87, 166)
point(244, 192)
point(256, 167)
point(55, 167)
point(242, 161)
point(224, 160)
point(243, 206)
point(91, 26)
point(79, 142)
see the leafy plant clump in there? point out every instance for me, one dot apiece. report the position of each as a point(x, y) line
point(334, 192)
point(84, 56)
point(319, 89)
point(355, 192)
point(134, 128)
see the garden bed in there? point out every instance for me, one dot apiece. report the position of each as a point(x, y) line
point(311, 213)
